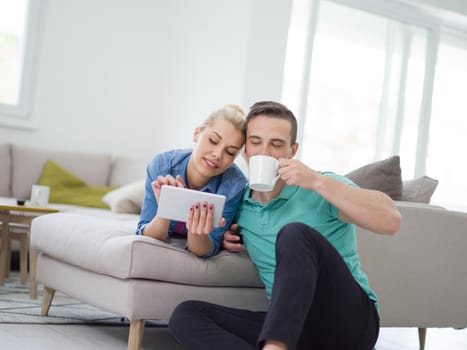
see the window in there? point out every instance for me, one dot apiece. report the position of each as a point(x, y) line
point(18, 35)
point(447, 140)
point(363, 84)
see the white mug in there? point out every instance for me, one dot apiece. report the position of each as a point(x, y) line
point(40, 195)
point(262, 173)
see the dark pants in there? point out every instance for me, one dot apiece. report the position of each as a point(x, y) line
point(315, 304)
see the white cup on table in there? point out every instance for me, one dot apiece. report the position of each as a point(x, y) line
point(40, 196)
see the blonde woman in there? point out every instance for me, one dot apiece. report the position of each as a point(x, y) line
point(207, 167)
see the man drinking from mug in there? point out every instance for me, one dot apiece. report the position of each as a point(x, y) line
point(301, 237)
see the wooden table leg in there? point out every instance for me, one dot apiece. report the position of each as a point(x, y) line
point(23, 238)
point(14, 214)
point(32, 273)
point(4, 251)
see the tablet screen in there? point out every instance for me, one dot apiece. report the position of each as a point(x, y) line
point(175, 202)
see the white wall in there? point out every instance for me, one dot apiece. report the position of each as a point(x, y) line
point(136, 77)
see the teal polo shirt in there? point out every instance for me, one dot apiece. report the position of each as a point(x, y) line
point(260, 224)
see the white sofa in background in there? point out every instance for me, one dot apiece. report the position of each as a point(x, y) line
point(93, 255)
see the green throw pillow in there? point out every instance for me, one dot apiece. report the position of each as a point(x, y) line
point(66, 188)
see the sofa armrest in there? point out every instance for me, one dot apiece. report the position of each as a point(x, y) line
point(419, 274)
point(403, 204)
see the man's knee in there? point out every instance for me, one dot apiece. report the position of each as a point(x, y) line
point(183, 312)
point(296, 233)
point(297, 238)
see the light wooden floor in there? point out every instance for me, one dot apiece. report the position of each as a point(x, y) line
point(75, 337)
point(71, 337)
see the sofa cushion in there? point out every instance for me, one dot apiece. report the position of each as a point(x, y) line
point(125, 171)
point(66, 188)
point(383, 175)
point(419, 190)
point(5, 170)
point(126, 199)
point(111, 247)
point(27, 165)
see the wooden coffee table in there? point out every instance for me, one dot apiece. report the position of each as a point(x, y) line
point(16, 224)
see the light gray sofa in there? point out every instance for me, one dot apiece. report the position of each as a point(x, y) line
point(21, 167)
point(94, 256)
point(420, 274)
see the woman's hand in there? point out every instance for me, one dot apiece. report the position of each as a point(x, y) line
point(199, 224)
point(158, 227)
point(200, 219)
point(168, 180)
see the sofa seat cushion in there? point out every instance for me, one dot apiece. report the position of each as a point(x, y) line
point(126, 170)
point(111, 247)
point(88, 211)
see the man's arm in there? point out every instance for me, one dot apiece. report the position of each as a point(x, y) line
point(232, 242)
point(372, 210)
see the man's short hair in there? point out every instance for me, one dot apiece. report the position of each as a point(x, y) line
point(274, 110)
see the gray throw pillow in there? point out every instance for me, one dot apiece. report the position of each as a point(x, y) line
point(383, 175)
point(419, 190)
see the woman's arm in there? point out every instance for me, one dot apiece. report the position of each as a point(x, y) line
point(158, 227)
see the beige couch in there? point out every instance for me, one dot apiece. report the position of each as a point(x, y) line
point(420, 273)
point(94, 256)
point(21, 167)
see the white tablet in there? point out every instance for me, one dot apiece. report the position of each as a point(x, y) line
point(175, 202)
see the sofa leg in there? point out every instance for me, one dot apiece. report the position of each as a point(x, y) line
point(135, 337)
point(47, 296)
point(422, 337)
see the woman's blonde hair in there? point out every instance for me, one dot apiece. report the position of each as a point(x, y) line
point(232, 113)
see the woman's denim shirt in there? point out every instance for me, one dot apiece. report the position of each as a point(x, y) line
point(231, 183)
